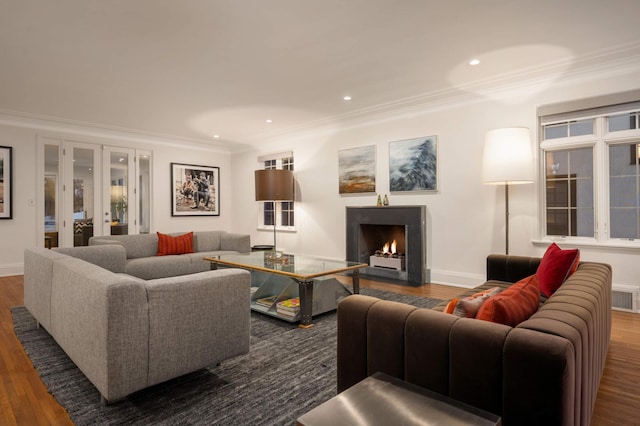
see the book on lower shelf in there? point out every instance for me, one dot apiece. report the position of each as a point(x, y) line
point(287, 314)
point(267, 302)
point(289, 307)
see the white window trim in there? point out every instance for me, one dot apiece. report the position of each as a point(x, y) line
point(279, 228)
point(278, 213)
point(601, 139)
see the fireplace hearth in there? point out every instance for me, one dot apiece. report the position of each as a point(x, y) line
point(371, 228)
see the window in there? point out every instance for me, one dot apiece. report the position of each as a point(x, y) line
point(591, 163)
point(568, 128)
point(622, 122)
point(569, 192)
point(281, 213)
point(287, 163)
point(624, 191)
point(269, 213)
point(287, 213)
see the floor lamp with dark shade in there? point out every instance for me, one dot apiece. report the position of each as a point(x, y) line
point(274, 185)
point(507, 160)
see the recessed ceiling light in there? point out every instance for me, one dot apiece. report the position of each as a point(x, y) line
point(269, 121)
point(474, 62)
point(216, 136)
point(347, 98)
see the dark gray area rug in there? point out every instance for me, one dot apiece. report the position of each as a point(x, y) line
point(287, 372)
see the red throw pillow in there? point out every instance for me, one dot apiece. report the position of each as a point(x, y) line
point(555, 267)
point(181, 244)
point(513, 305)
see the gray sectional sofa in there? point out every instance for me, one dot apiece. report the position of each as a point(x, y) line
point(544, 371)
point(141, 250)
point(126, 333)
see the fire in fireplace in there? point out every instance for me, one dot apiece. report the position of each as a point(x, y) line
point(388, 249)
point(388, 257)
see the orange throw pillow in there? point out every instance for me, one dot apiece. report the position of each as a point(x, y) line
point(181, 244)
point(513, 305)
point(555, 267)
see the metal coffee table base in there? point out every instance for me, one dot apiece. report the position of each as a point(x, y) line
point(317, 296)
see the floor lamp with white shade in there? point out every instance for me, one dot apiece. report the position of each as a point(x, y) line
point(274, 185)
point(507, 160)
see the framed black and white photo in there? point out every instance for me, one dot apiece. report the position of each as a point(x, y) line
point(6, 182)
point(195, 190)
point(413, 164)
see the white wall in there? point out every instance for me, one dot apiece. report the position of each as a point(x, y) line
point(465, 217)
point(20, 232)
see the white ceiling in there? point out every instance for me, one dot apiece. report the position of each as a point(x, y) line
point(194, 68)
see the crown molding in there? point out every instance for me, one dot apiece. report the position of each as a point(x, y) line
point(95, 130)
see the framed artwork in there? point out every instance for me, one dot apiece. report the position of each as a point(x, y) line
point(195, 190)
point(357, 170)
point(413, 164)
point(6, 182)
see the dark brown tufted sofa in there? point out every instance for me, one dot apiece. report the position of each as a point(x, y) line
point(544, 371)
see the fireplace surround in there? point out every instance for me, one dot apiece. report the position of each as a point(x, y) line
point(368, 226)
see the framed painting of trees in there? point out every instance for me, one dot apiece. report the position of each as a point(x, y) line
point(413, 164)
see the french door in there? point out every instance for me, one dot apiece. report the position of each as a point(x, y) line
point(91, 189)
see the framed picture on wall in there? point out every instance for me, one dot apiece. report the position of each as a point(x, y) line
point(413, 164)
point(195, 190)
point(6, 182)
point(357, 170)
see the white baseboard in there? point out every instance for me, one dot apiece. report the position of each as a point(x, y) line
point(458, 279)
point(10, 269)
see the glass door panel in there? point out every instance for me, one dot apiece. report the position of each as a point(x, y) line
point(51, 193)
point(119, 191)
point(80, 194)
point(144, 192)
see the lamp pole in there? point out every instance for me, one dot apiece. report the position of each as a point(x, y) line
point(274, 226)
point(506, 217)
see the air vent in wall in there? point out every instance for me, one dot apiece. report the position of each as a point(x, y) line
point(625, 298)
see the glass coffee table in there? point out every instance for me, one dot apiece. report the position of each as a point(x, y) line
point(292, 287)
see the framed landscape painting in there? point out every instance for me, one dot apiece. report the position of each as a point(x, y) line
point(195, 190)
point(357, 170)
point(6, 183)
point(413, 164)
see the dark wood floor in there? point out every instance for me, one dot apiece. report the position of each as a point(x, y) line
point(24, 400)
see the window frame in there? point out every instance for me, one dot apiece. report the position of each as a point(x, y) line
point(283, 160)
point(600, 141)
